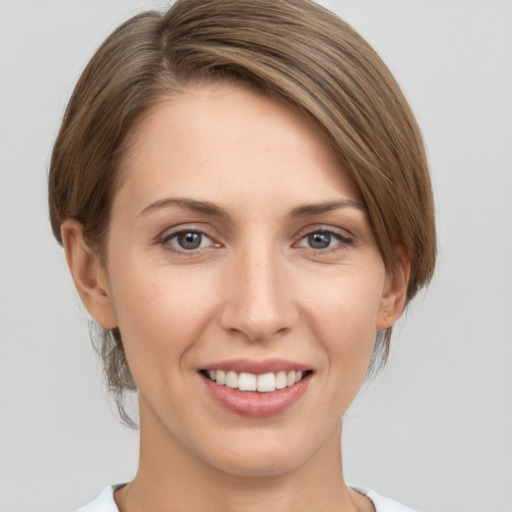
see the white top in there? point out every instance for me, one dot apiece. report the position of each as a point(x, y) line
point(105, 502)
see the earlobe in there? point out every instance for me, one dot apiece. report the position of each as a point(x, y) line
point(395, 294)
point(88, 274)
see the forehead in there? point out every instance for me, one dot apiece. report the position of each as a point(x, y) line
point(215, 139)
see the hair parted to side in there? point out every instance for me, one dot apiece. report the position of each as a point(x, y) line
point(292, 50)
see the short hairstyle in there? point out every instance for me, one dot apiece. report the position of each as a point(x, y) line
point(292, 50)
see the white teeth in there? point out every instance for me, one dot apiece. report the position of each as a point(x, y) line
point(264, 383)
point(247, 382)
point(280, 380)
point(232, 379)
point(220, 377)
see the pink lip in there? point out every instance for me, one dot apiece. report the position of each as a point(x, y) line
point(257, 367)
point(254, 404)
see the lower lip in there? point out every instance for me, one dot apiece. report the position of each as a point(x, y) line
point(253, 404)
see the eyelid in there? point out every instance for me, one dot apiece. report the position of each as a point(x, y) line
point(184, 227)
point(324, 228)
point(171, 234)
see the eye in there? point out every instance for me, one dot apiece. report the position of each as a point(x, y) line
point(323, 239)
point(187, 240)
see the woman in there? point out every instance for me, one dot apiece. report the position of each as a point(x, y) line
point(244, 201)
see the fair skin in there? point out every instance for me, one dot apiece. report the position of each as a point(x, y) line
point(236, 240)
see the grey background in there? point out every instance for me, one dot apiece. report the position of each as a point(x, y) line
point(435, 429)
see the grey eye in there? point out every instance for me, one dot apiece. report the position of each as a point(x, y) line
point(320, 240)
point(189, 240)
point(324, 239)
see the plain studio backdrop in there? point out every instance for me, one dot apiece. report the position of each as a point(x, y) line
point(435, 429)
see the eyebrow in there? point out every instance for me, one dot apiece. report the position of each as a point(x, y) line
point(315, 209)
point(207, 208)
point(204, 207)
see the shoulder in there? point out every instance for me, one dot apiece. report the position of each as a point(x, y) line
point(381, 503)
point(104, 502)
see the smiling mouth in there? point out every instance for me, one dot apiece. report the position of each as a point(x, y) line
point(262, 383)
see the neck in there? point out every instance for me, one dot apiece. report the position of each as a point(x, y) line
point(173, 477)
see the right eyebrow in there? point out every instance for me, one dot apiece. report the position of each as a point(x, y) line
point(204, 207)
point(318, 208)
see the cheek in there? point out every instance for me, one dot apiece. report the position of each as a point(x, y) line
point(343, 316)
point(161, 314)
point(347, 303)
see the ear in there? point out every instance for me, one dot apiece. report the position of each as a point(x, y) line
point(88, 274)
point(395, 293)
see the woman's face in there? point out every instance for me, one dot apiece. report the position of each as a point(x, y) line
point(240, 252)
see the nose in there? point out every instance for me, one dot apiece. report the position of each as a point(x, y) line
point(258, 297)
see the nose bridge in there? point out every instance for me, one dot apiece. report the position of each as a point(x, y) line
point(258, 301)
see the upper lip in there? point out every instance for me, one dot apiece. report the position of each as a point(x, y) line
point(257, 367)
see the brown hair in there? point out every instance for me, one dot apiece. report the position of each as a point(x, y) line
point(293, 50)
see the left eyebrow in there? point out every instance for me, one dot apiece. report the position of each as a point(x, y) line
point(190, 204)
point(315, 209)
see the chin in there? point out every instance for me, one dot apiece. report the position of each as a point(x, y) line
point(261, 465)
point(260, 453)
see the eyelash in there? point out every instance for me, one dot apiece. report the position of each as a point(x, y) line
point(165, 241)
point(343, 241)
